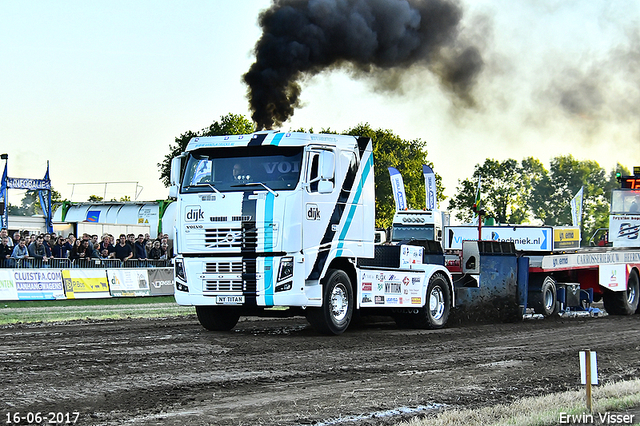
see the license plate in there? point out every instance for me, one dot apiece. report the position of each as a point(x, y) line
point(230, 300)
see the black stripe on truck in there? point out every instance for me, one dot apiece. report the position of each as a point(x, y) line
point(338, 211)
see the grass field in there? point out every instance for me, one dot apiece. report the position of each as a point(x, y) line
point(14, 312)
point(611, 403)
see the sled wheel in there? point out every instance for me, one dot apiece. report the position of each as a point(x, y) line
point(623, 302)
point(545, 300)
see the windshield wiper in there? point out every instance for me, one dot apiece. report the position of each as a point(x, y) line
point(254, 184)
point(207, 184)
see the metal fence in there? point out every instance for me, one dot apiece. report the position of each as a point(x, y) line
point(83, 263)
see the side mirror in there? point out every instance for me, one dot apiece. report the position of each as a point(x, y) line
point(173, 191)
point(176, 166)
point(325, 187)
point(327, 165)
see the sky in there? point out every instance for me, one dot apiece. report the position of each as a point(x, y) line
point(100, 89)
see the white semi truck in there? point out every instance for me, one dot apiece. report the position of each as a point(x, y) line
point(276, 220)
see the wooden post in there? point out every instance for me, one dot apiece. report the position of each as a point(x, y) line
point(588, 389)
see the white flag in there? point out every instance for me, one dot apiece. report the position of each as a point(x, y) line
point(430, 187)
point(397, 186)
point(576, 208)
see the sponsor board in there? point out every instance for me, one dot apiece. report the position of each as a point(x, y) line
point(85, 283)
point(390, 288)
point(410, 255)
point(567, 261)
point(8, 289)
point(613, 277)
point(161, 281)
point(566, 238)
point(38, 284)
point(128, 282)
point(624, 230)
point(533, 238)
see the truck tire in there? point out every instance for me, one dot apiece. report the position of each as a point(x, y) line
point(545, 300)
point(435, 312)
point(334, 316)
point(218, 318)
point(623, 302)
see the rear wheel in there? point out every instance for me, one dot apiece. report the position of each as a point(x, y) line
point(435, 313)
point(623, 302)
point(218, 318)
point(337, 304)
point(545, 300)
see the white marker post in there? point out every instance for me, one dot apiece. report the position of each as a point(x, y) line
point(588, 373)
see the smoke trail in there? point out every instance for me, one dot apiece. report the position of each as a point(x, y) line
point(304, 37)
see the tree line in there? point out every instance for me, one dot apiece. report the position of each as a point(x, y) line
point(512, 192)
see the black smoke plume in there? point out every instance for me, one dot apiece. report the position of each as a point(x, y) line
point(304, 37)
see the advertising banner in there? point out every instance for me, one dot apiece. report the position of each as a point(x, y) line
point(85, 283)
point(38, 284)
point(161, 281)
point(430, 187)
point(534, 238)
point(624, 230)
point(8, 289)
point(566, 238)
point(397, 187)
point(128, 282)
point(383, 288)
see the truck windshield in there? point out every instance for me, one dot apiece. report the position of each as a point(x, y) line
point(625, 201)
point(229, 169)
point(405, 233)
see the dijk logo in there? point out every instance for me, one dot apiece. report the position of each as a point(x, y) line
point(313, 212)
point(193, 214)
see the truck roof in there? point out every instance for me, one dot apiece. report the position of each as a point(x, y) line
point(274, 138)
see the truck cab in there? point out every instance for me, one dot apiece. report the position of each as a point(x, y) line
point(418, 225)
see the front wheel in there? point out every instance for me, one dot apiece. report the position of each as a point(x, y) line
point(334, 316)
point(623, 302)
point(218, 318)
point(435, 313)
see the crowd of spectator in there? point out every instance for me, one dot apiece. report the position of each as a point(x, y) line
point(25, 246)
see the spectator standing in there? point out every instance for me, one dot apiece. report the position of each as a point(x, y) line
point(107, 244)
point(5, 251)
point(131, 240)
point(46, 241)
point(4, 232)
point(37, 250)
point(59, 249)
point(71, 240)
point(20, 252)
point(77, 251)
point(16, 239)
point(156, 251)
point(123, 250)
point(140, 252)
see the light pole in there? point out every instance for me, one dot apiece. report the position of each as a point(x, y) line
point(5, 201)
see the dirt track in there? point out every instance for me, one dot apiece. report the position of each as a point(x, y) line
point(279, 372)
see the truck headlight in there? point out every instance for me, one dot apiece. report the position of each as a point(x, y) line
point(179, 269)
point(286, 268)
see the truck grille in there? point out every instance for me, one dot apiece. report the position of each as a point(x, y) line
point(244, 238)
point(245, 283)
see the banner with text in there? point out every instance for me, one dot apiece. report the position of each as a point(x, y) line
point(85, 283)
point(8, 289)
point(38, 284)
point(161, 281)
point(128, 282)
point(397, 187)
